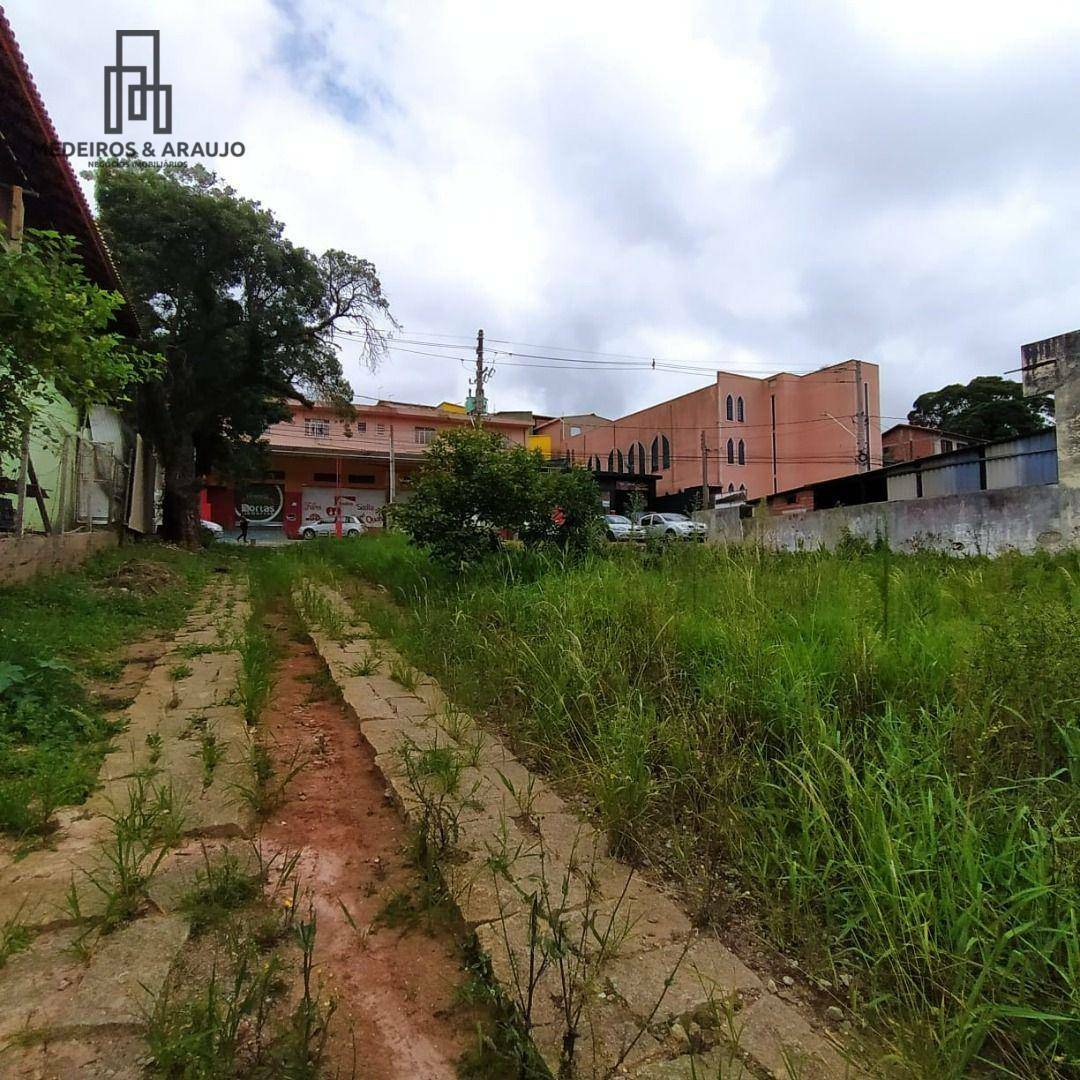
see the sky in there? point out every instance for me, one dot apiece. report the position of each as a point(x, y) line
point(755, 187)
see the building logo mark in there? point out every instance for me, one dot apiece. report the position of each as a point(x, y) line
point(141, 81)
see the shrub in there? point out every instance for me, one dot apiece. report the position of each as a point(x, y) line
point(474, 490)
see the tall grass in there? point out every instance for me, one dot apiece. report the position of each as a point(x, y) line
point(886, 748)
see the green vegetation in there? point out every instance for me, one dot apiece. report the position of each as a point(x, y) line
point(473, 488)
point(885, 749)
point(55, 633)
point(54, 335)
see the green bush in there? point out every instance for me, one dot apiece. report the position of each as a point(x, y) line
point(474, 489)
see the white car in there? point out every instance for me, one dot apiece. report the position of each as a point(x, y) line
point(350, 526)
point(672, 527)
point(212, 527)
point(618, 527)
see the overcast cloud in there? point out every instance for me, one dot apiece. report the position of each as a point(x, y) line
point(754, 187)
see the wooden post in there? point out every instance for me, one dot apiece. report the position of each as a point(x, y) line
point(42, 509)
point(20, 503)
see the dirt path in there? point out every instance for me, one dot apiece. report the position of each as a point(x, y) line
point(394, 988)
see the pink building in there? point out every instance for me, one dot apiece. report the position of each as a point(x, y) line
point(909, 442)
point(322, 465)
point(755, 435)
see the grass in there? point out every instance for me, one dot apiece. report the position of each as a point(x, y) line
point(55, 633)
point(884, 749)
point(225, 884)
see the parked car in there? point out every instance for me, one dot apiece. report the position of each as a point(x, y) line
point(350, 526)
point(212, 527)
point(672, 527)
point(618, 527)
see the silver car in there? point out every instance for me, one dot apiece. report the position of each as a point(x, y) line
point(350, 526)
point(667, 526)
point(618, 527)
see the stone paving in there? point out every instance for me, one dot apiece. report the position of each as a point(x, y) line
point(521, 858)
point(71, 1003)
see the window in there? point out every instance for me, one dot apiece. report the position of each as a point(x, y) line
point(730, 410)
point(730, 450)
point(739, 411)
point(946, 445)
point(594, 462)
point(635, 459)
point(361, 426)
point(317, 429)
point(380, 429)
point(574, 430)
point(361, 478)
point(742, 452)
point(325, 477)
point(424, 435)
point(660, 456)
point(614, 461)
point(731, 489)
point(742, 488)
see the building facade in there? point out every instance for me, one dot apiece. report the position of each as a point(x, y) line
point(323, 465)
point(908, 442)
point(740, 433)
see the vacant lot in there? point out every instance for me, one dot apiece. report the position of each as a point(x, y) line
point(882, 753)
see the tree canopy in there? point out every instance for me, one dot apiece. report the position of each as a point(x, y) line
point(989, 407)
point(54, 335)
point(245, 319)
point(473, 488)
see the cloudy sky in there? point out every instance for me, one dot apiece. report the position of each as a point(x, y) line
point(750, 186)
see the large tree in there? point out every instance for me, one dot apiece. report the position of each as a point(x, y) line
point(245, 319)
point(989, 407)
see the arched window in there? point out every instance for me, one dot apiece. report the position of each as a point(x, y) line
point(635, 459)
point(730, 408)
point(614, 461)
point(742, 488)
point(731, 489)
point(742, 453)
point(730, 450)
point(660, 454)
point(739, 411)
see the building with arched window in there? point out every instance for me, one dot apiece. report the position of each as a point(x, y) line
point(762, 435)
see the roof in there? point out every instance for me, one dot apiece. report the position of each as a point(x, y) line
point(53, 198)
point(929, 430)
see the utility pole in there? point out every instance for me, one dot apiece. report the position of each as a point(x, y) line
point(393, 467)
point(479, 405)
point(862, 426)
point(704, 472)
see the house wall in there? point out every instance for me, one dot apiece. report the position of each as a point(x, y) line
point(903, 443)
point(814, 428)
point(1024, 519)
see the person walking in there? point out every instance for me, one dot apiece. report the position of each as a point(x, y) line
point(243, 528)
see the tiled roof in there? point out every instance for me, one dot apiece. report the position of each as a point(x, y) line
point(54, 199)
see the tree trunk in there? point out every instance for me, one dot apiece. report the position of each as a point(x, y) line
point(180, 497)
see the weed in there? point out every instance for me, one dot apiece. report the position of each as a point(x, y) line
point(223, 885)
point(366, 667)
point(268, 786)
point(14, 936)
point(211, 751)
point(142, 833)
point(405, 674)
point(180, 671)
point(255, 678)
point(154, 746)
point(192, 649)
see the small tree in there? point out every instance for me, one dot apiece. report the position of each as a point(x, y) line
point(473, 489)
point(54, 335)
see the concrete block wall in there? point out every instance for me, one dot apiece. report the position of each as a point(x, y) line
point(22, 558)
point(1043, 517)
